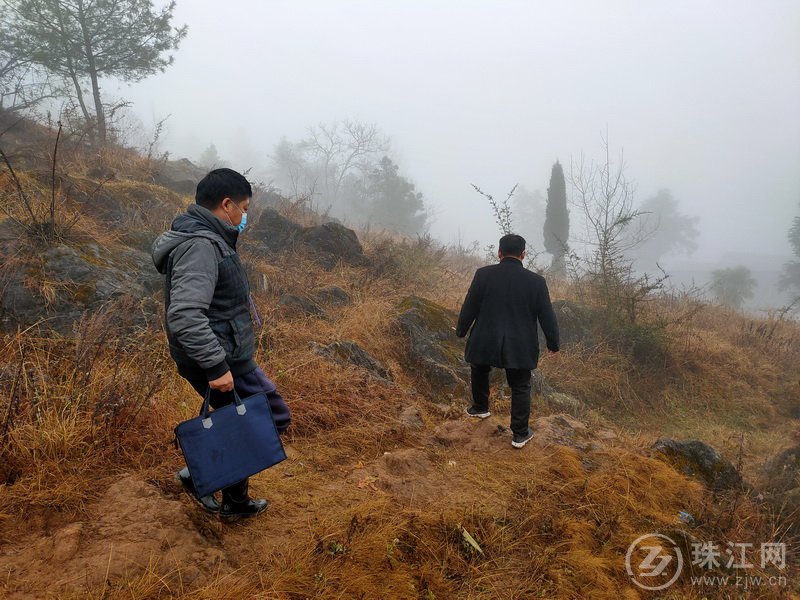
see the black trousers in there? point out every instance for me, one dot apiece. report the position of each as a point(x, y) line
point(519, 380)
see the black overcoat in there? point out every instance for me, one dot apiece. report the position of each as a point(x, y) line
point(504, 302)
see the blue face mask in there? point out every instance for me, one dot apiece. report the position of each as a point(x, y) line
point(240, 226)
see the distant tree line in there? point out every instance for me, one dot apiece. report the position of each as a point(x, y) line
point(344, 168)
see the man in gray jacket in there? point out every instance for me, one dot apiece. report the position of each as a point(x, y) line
point(207, 303)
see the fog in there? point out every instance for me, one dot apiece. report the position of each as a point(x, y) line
point(702, 96)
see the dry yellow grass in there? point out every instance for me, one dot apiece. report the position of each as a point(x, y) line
point(551, 522)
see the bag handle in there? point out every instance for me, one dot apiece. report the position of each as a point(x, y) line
point(204, 410)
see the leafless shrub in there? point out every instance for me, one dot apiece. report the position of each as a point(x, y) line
point(604, 196)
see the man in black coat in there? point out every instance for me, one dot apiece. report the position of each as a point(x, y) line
point(504, 302)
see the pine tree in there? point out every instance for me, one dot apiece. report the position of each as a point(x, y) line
point(85, 40)
point(210, 159)
point(556, 222)
point(393, 201)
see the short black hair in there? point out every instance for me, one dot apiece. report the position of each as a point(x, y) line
point(220, 184)
point(512, 245)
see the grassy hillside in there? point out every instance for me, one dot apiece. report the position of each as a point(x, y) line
point(385, 477)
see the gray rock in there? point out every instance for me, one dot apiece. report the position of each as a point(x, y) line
point(697, 459)
point(563, 402)
point(555, 401)
point(564, 430)
point(782, 473)
point(332, 242)
point(328, 243)
point(65, 265)
point(140, 240)
point(347, 352)
point(61, 283)
point(333, 295)
point(258, 280)
point(539, 385)
point(781, 486)
point(274, 231)
point(297, 304)
point(134, 209)
point(180, 175)
point(19, 305)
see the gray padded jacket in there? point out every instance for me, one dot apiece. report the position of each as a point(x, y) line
point(206, 296)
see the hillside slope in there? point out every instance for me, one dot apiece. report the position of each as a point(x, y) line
point(389, 491)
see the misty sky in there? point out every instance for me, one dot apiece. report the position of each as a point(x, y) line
point(703, 96)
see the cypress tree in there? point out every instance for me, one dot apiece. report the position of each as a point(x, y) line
point(556, 222)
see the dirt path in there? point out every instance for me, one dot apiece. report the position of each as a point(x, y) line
point(150, 528)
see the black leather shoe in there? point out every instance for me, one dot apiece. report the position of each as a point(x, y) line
point(209, 503)
point(233, 511)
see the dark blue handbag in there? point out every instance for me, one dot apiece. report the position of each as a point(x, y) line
point(229, 444)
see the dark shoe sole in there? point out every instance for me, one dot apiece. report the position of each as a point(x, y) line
point(190, 493)
point(233, 517)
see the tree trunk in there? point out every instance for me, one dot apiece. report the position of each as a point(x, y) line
point(75, 81)
point(82, 103)
point(87, 48)
point(98, 104)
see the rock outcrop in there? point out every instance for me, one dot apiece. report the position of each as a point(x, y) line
point(348, 352)
point(180, 175)
point(328, 243)
point(273, 231)
point(432, 348)
point(697, 459)
point(60, 283)
point(332, 295)
point(298, 305)
point(333, 242)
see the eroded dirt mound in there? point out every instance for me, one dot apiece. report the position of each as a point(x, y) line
point(133, 529)
point(565, 430)
point(472, 434)
point(406, 473)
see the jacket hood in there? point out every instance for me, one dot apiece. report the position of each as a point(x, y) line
point(195, 222)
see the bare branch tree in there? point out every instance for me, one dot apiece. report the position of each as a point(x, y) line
point(604, 195)
point(342, 149)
